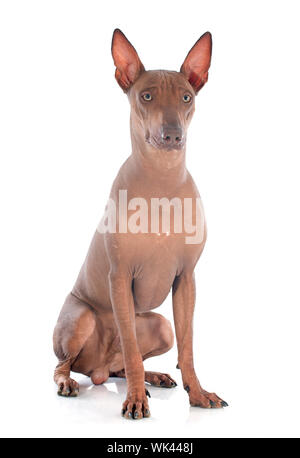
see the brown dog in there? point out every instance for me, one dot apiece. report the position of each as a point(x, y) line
point(106, 327)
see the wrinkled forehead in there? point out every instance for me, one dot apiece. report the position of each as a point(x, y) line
point(163, 81)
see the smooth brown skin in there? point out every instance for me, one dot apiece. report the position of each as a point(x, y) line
point(106, 326)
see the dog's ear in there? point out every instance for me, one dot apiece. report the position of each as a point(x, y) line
point(126, 59)
point(197, 62)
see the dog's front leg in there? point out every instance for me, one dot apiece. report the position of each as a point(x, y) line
point(136, 404)
point(183, 309)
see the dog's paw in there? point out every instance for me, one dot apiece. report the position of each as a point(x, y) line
point(68, 387)
point(136, 405)
point(204, 399)
point(159, 379)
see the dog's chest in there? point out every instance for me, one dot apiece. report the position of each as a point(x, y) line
point(160, 260)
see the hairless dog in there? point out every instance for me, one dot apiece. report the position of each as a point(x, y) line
point(106, 326)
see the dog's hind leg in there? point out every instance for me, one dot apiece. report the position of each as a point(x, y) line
point(75, 324)
point(154, 337)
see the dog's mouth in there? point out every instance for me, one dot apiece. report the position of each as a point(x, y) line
point(157, 142)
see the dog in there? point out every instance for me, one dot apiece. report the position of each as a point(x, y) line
point(106, 326)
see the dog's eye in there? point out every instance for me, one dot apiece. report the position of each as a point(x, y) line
point(147, 96)
point(186, 98)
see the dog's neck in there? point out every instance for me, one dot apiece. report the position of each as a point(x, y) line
point(164, 168)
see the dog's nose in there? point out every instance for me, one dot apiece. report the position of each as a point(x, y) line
point(172, 136)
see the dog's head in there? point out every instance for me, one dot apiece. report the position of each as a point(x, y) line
point(162, 102)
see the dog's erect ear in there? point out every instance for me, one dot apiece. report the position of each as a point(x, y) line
point(197, 62)
point(126, 59)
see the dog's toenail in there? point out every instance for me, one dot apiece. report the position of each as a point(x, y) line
point(173, 384)
point(162, 383)
point(147, 393)
point(224, 404)
point(212, 403)
point(136, 414)
point(123, 411)
point(187, 388)
point(177, 366)
point(130, 415)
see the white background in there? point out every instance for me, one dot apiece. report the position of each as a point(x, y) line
point(64, 134)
